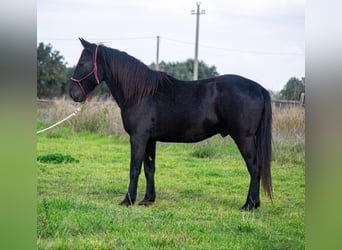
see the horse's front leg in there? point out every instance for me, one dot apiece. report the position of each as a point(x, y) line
point(138, 145)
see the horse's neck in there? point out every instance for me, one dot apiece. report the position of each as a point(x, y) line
point(114, 87)
point(125, 88)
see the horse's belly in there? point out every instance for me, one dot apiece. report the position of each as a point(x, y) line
point(186, 139)
point(191, 132)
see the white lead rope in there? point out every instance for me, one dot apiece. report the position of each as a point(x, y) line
point(57, 123)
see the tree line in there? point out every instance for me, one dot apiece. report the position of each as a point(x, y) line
point(53, 75)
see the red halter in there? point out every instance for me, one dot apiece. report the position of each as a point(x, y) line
point(89, 74)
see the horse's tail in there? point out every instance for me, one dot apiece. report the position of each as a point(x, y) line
point(264, 145)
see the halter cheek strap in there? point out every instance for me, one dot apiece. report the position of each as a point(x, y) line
point(95, 65)
point(94, 71)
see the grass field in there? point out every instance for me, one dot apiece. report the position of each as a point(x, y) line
point(200, 189)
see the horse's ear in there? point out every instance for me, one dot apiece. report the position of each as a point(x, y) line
point(84, 43)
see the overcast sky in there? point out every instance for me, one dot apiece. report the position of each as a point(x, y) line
point(259, 39)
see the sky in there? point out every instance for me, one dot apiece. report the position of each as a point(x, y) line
point(263, 40)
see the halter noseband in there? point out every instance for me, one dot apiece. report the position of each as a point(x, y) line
point(89, 74)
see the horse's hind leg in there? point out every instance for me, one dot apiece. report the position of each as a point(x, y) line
point(149, 168)
point(247, 147)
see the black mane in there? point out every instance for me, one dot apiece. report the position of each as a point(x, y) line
point(135, 79)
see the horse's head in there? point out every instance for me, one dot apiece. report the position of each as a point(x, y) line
point(88, 73)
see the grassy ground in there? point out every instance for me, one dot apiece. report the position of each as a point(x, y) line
point(200, 189)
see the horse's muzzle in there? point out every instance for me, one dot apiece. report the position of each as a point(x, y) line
point(77, 96)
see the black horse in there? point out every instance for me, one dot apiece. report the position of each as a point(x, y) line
point(157, 107)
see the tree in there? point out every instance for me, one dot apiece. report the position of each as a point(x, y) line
point(52, 72)
point(65, 85)
point(293, 89)
point(184, 70)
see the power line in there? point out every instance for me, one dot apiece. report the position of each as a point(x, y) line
point(97, 39)
point(231, 50)
point(254, 51)
point(235, 50)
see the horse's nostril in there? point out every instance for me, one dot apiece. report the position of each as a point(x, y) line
point(75, 98)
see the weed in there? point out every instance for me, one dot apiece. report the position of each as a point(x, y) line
point(56, 158)
point(203, 151)
point(289, 153)
point(101, 117)
point(289, 125)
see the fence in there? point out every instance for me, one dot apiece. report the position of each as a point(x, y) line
point(289, 103)
point(275, 102)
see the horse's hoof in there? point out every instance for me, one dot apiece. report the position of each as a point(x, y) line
point(123, 203)
point(126, 203)
point(249, 206)
point(145, 203)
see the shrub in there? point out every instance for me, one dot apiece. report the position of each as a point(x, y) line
point(203, 151)
point(56, 158)
point(96, 116)
point(289, 135)
point(289, 125)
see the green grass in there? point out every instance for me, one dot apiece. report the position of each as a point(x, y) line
point(200, 189)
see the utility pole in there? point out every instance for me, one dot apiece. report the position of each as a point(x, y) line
point(197, 13)
point(157, 59)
